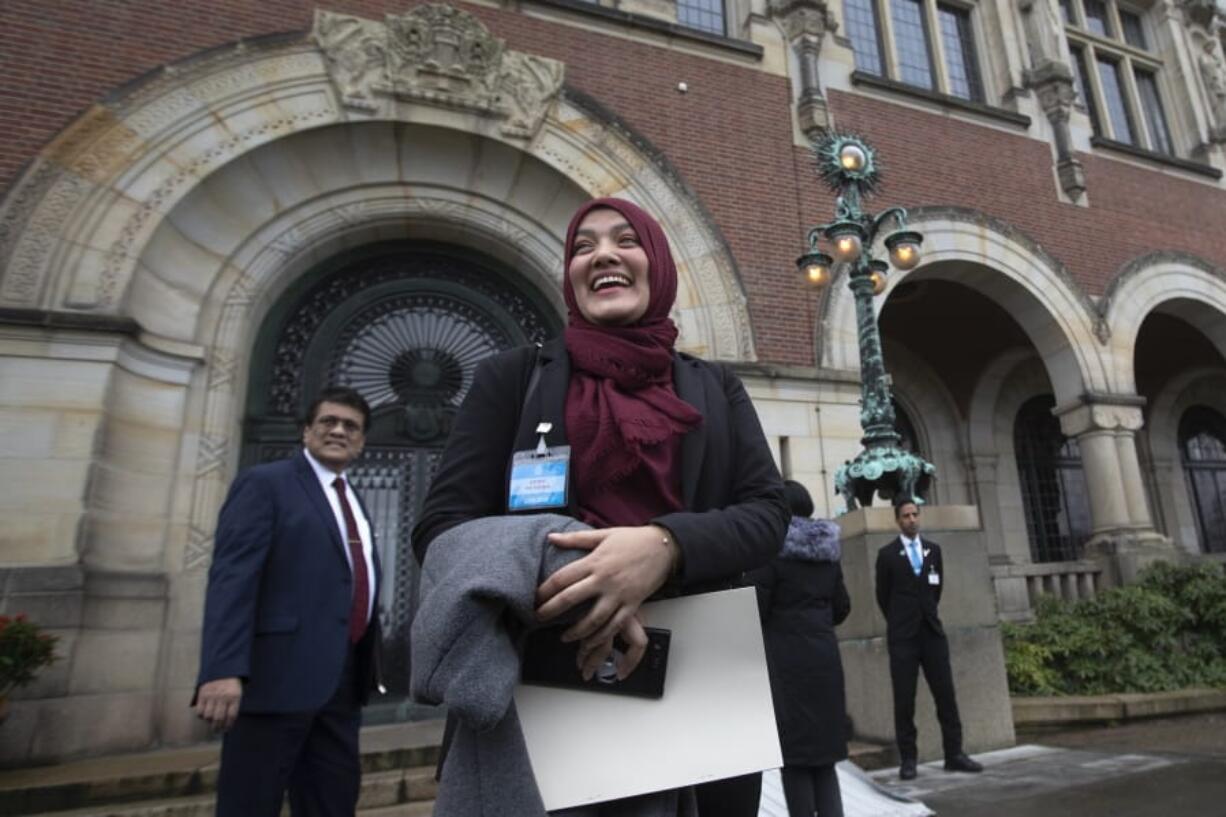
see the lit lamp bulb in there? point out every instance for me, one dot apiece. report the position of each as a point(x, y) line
point(904, 247)
point(852, 157)
point(846, 247)
point(877, 276)
point(815, 267)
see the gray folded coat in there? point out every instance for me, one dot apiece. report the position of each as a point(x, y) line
point(478, 577)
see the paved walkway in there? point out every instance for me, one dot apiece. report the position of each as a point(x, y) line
point(1172, 767)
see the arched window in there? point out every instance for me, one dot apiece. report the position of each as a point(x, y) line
point(1202, 442)
point(1053, 483)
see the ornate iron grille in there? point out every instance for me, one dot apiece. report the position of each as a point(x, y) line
point(406, 329)
point(1053, 482)
point(1202, 442)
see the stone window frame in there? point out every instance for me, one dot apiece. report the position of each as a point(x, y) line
point(888, 47)
point(1087, 49)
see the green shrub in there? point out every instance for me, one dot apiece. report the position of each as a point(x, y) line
point(1167, 631)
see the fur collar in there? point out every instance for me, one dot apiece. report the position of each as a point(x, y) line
point(812, 540)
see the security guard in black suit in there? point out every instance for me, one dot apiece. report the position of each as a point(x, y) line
point(910, 576)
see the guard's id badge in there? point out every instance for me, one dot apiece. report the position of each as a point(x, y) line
point(539, 477)
point(933, 578)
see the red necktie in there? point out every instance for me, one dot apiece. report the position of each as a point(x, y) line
point(361, 582)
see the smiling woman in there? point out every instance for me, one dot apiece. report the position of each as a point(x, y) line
point(661, 454)
point(609, 270)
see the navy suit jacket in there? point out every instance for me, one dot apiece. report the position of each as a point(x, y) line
point(276, 613)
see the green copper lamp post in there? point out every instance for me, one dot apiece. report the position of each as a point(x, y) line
point(848, 165)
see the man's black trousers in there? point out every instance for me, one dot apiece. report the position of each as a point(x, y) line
point(928, 651)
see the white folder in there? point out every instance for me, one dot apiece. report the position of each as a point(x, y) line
point(715, 719)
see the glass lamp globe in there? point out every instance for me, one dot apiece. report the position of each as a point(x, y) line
point(878, 276)
point(846, 240)
point(904, 247)
point(852, 157)
point(815, 268)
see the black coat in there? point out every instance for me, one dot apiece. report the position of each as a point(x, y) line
point(801, 602)
point(907, 601)
point(734, 516)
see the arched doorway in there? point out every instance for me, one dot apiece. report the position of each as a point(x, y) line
point(405, 323)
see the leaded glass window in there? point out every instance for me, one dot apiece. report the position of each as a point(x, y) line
point(1202, 442)
point(959, 43)
point(1096, 19)
point(1134, 31)
point(863, 30)
point(1123, 93)
point(1054, 493)
point(924, 43)
point(1151, 109)
point(1112, 85)
point(911, 42)
point(704, 15)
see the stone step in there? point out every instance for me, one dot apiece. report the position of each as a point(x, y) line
point(202, 806)
point(408, 793)
point(397, 763)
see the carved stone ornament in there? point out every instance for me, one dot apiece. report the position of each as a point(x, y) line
point(1052, 82)
point(1200, 12)
point(1212, 66)
point(803, 18)
point(439, 55)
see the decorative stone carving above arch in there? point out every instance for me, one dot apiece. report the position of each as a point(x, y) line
point(998, 261)
point(78, 226)
point(1179, 283)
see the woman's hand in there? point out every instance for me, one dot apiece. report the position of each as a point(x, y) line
point(625, 566)
point(594, 653)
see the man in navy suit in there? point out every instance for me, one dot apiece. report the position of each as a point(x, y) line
point(290, 640)
point(910, 576)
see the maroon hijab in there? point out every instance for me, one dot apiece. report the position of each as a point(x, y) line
point(624, 420)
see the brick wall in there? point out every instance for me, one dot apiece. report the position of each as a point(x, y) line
point(729, 136)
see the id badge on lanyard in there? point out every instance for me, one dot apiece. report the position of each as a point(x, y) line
point(539, 477)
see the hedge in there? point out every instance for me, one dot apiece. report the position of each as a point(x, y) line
point(1165, 632)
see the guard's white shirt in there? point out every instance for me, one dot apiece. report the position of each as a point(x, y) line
point(326, 478)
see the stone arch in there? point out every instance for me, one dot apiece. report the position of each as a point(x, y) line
point(1009, 381)
point(1203, 386)
point(75, 228)
point(922, 392)
point(163, 202)
point(1175, 282)
point(996, 260)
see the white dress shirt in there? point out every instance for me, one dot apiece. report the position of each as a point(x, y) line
point(326, 478)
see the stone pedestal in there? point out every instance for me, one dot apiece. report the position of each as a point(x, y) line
point(968, 611)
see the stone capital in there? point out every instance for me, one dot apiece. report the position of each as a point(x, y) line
point(1052, 81)
point(1101, 413)
point(437, 54)
point(803, 18)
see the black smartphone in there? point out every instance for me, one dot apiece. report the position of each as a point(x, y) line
point(547, 661)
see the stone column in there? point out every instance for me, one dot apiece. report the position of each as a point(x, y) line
point(1134, 482)
point(1124, 539)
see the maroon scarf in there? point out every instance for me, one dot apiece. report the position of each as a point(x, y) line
point(624, 420)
